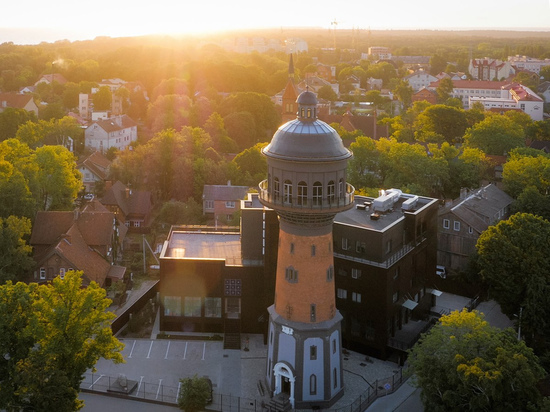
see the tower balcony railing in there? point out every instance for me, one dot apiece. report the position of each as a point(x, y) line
point(310, 204)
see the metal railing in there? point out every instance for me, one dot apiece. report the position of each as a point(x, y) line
point(168, 395)
point(323, 203)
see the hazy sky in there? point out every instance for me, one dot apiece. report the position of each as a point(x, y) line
point(32, 21)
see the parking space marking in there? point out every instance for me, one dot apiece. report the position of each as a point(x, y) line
point(158, 390)
point(139, 386)
point(185, 351)
point(203, 350)
point(94, 382)
point(150, 347)
point(132, 351)
point(167, 349)
point(178, 393)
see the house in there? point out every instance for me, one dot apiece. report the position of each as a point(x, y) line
point(94, 168)
point(132, 208)
point(425, 94)
point(374, 84)
point(528, 63)
point(464, 89)
point(544, 90)
point(490, 69)
point(419, 79)
point(89, 240)
point(412, 62)
point(351, 122)
point(51, 78)
point(514, 96)
point(325, 71)
point(118, 132)
point(213, 282)
point(314, 83)
point(18, 101)
point(221, 203)
point(380, 53)
point(461, 222)
point(543, 145)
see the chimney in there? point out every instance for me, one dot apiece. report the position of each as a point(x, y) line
point(127, 190)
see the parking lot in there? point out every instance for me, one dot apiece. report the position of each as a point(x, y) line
point(158, 365)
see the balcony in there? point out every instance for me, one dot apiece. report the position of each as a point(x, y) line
point(296, 204)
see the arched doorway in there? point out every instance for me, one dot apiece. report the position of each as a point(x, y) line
point(284, 381)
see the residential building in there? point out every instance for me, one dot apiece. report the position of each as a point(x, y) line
point(419, 79)
point(89, 240)
point(118, 132)
point(490, 69)
point(425, 94)
point(544, 90)
point(380, 53)
point(51, 78)
point(352, 121)
point(222, 203)
point(464, 89)
point(94, 168)
point(514, 96)
point(374, 84)
point(18, 101)
point(131, 207)
point(528, 63)
point(413, 62)
point(461, 222)
point(314, 83)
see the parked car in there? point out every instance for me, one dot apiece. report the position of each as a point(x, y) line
point(441, 271)
point(89, 196)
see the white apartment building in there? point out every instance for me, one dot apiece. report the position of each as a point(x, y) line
point(420, 79)
point(528, 63)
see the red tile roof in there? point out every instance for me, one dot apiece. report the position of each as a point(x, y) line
point(14, 100)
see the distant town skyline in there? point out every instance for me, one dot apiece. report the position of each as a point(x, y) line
point(34, 21)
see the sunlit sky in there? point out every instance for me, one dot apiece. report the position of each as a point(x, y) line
point(33, 21)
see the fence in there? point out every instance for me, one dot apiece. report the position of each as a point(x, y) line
point(164, 394)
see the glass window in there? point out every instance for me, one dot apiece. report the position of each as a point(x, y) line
point(172, 306)
point(192, 307)
point(330, 192)
point(313, 352)
point(276, 188)
point(342, 293)
point(312, 385)
point(287, 191)
point(212, 307)
point(313, 250)
point(355, 273)
point(446, 224)
point(344, 243)
point(230, 204)
point(356, 297)
point(456, 225)
point(42, 273)
point(62, 273)
point(312, 312)
point(341, 188)
point(317, 194)
point(291, 274)
point(302, 193)
point(330, 274)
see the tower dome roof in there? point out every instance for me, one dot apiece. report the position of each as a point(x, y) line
point(306, 139)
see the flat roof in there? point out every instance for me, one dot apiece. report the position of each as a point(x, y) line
point(362, 217)
point(208, 246)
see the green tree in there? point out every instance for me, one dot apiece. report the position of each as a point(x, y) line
point(444, 90)
point(58, 178)
point(180, 213)
point(252, 165)
point(103, 98)
point(11, 119)
point(259, 106)
point(404, 93)
point(437, 64)
point(15, 254)
point(70, 95)
point(522, 171)
point(326, 92)
point(195, 393)
point(495, 135)
point(463, 363)
point(532, 201)
point(446, 121)
point(364, 167)
point(515, 264)
point(169, 112)
point(51, 335)
point(241, 127)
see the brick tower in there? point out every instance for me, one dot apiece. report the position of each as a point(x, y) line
point(306, 186)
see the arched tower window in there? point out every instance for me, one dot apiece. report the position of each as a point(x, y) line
point(312, 384)
point(287, 191)
point(291, 275)
point(276, 188)
point(317, 194)
point(330, 192)
point(302, 193)
point(341, 189)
